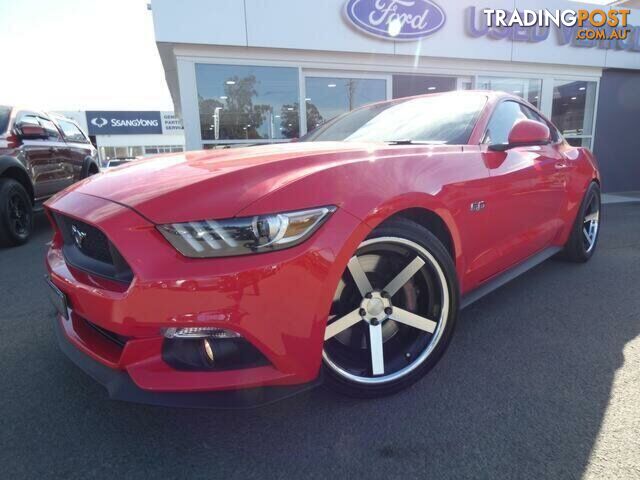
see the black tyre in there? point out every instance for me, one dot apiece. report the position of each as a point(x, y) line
point(16, 213)
point(586, 229)
point(89, 169)
point(393, 313)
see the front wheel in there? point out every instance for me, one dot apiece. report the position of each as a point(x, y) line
point(16, 213)
point(393, 312)
point(586, 229)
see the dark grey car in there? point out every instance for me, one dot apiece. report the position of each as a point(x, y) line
point(40, 155)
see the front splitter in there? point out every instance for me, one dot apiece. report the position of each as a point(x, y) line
point(120, 386)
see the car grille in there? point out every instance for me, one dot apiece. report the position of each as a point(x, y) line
point(87, 248)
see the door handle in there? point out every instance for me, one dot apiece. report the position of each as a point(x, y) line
point(53, 150)
point(560, 165)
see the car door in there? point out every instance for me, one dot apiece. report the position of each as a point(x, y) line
point(39, 157)
point(78, 146)
point(528, 190)
point(62, 169)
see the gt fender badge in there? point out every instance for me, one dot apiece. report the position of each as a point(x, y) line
point(477, 206)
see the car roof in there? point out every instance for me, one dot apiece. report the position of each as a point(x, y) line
point(491, 94)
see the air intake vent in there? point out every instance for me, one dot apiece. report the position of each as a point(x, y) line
point(87, 248)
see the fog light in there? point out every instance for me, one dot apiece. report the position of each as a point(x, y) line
point(200, 332)
point(210, 353)
point(208, 350)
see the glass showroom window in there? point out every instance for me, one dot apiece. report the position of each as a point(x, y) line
point(410, 85)
point(526, 88)
point(155, 149)
point(239, 102)
point(328, 97)
point(573, 110)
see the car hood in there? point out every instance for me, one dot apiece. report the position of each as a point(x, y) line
point(216, 184)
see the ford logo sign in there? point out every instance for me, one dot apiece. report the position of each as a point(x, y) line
point(396, 19)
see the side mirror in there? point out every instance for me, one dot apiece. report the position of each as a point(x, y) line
point(525, 133)
point(32, 132)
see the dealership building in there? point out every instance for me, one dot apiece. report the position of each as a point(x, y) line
point(238, 71)
point(130, 134)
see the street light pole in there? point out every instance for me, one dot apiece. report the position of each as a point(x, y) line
point(216, 123)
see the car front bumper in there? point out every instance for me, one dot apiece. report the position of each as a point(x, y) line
point(120, 386)
point(278, 302)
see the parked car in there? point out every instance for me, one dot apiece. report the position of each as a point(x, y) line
point(40, 155)
point(118, 162)
point(345, 256)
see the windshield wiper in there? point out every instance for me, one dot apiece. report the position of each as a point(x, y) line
point(415, 142)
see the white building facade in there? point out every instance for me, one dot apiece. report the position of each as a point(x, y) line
point(239, 71)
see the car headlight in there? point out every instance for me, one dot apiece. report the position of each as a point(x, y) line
point(243, 236)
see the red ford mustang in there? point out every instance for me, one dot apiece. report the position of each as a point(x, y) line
point(236, 277)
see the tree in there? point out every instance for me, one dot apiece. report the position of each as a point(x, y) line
point(242, 117)
point(290, 120)
point(314, 119)
point(239, 117)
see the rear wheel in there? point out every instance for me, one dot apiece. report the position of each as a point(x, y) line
point(16, 213)
point(393, 312)
point(586, 229)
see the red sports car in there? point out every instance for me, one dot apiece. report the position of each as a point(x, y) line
point(238, 276)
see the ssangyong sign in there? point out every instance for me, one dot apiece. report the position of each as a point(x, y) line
point(396, 19)
point(123, 123)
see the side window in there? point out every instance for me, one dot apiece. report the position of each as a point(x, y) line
point(48, 125)
point(71, 132)
point(503, 119)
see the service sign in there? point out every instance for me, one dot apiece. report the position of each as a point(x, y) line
point(396, 19)
point(123, 123)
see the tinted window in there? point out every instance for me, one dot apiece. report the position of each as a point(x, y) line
point(574, 106)
point(446, 119)
point(5, 113)
point(329, 97)
point(52, 131)
point(503, 119)
point(71, 132)
point(239, 102)
point(525, 88)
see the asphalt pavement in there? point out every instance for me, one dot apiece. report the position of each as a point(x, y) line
point(541, 381)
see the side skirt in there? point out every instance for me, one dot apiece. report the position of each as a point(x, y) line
point(507, 276)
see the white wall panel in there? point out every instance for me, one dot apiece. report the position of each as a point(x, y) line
point(307, 25)
point(215, 22)
point(551, 50)
point(312, 25)
point(453, 40)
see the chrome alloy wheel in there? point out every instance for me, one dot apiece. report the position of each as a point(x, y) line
point(591, 224)
point(389, 312)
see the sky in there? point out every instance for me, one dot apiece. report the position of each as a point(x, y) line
point(80, 55)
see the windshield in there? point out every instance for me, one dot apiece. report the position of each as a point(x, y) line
point(441, 119)
point(5, 113)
